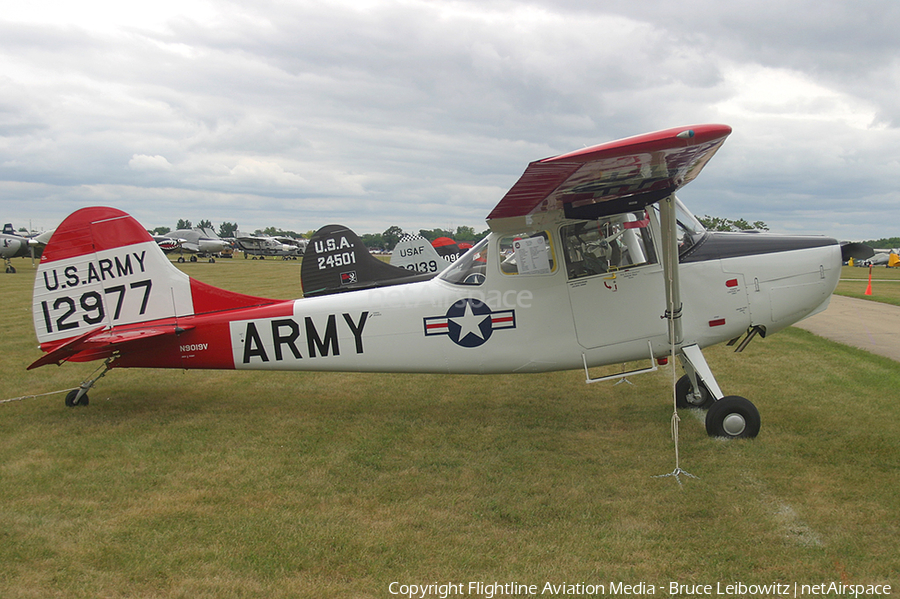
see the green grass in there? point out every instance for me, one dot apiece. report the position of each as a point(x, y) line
point(246, 484)
point(885, 284)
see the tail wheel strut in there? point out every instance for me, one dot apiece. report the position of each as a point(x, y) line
point(79, 396)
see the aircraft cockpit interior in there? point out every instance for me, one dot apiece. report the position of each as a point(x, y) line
point(592, 247)
point(606, 245)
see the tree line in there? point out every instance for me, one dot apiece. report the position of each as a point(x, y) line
point(715, 223)
point(388, 239)
point(229, 229)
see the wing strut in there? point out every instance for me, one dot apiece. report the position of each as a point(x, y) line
point(669, 225)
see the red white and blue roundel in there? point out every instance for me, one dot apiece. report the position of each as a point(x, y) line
point(470, 322)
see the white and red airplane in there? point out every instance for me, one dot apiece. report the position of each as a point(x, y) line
point(591, 261)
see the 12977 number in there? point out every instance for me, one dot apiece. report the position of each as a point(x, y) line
point(93, 310)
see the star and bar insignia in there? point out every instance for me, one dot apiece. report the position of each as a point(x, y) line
point(469, 322)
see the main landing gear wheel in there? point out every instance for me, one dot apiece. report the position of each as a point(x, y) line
point(73, 400)
point(732, 417)
point(685, 397)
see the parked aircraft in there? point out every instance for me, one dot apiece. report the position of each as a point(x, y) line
point(416, 253)
point(591, 261)
point(325, 270)
point(196, 241)
point(263, 245)
point(15, 245)
point(882, 257)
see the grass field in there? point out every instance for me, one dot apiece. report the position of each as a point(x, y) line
point(239, 484)
point(885, 284)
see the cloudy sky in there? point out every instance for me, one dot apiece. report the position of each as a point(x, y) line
point(372, 113)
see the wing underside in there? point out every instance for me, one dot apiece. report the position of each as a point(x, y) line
point(614, 177)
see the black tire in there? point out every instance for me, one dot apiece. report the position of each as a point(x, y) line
point(70, 399)
point(685, 399)
point(10, 270)
point(733, 417)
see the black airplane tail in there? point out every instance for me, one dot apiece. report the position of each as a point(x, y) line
point(856, 250)
point(336, 260)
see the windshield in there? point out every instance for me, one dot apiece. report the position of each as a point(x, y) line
point(689, 231)
point(470, 268)
point(687, 222)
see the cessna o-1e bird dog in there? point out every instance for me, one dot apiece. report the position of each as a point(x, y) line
point(591, 261)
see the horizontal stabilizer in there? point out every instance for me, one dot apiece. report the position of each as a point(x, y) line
point(103, 343)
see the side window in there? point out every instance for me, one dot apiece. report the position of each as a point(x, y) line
point(528, 253)
point(607, 245)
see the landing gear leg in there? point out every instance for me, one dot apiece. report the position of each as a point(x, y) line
point(699, 375)
point(730, 417)
point(79, 396)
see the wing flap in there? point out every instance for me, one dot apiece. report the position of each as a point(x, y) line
point(624, 175)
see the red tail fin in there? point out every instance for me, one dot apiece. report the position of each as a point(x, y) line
point(101, 269)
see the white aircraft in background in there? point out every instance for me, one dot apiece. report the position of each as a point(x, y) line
point(196, 241)
point(263, 245)
point(591, 261)
point(883, 257)
point(16, 245)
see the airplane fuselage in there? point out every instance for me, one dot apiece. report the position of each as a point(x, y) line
point(489, 313)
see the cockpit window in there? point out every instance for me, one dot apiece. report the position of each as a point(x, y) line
point(470, 269)
point(528, 253)
point(607, 245)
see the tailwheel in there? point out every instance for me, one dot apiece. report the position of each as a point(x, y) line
point(79, 396)
point(687, 397)
point(72, 398)
point(733, 417)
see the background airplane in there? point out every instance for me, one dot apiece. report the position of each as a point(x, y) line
point(263, 245)
point(15, 245)
point(337, 260)
point(882, 257)
point(591, 261)
point(416, 253)
point(196, 241)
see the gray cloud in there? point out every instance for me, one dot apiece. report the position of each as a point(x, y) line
point(422, 114)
